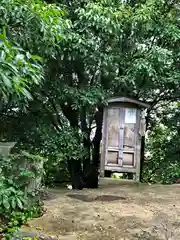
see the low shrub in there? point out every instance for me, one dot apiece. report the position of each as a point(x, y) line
point(20, 183)
point(161, 173)
point(162, 157)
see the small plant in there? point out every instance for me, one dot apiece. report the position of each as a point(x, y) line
point(11, 197)
point(17, 203)
point(17, 219)
point(117, 175)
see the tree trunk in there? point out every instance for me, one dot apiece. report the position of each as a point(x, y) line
point(91, 171)
point(91, 176)
point(87, 159)
point(76, 173)
point(143, 146)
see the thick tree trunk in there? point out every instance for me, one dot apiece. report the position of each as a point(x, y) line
point(74, 166)
point(86, 139)
point(88, 177)
point(86, 163)
point(91, 171)
point(76, 173)
point(91, 176)
point(143, 145)
point(87, 159)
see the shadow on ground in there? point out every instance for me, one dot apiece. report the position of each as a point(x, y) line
point(90, 198)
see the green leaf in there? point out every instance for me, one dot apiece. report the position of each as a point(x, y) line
point(6, 202)
point(36, 57)
point(27, 94)
point(19, 203)
point(13, 203)
point(6, 80)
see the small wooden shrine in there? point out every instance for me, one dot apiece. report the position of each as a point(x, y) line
point(123, 127)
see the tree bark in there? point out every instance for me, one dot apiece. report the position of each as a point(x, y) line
point(91, 171)
point(86, 139)
point(76, 173)
point(91, 177)
point(143, 146)
point(74, 166)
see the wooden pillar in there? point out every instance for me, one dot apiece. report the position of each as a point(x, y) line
point(138, 147)
point(104, 140)
point(138, 159)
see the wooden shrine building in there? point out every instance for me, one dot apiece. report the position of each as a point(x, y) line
point(123, 127)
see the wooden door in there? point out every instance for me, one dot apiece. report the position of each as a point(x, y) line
point(113, 141)
point(121, 137)
point(129, 136)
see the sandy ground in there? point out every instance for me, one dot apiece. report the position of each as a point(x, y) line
point(114, 211)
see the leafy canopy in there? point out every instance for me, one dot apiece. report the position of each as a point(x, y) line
point(91, 50)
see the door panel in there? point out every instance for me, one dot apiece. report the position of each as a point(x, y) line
point(129, 136)
point(112, 157)
point(121, 136)
point(128, 159)
point(113, 127)
point(129, 140)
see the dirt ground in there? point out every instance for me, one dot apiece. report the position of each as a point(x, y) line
point(114, 211)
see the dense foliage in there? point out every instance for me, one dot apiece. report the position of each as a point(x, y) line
point(85, 51)
point(18, 200)
point(19, 71)
point(59, 61)
point(162, 158)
